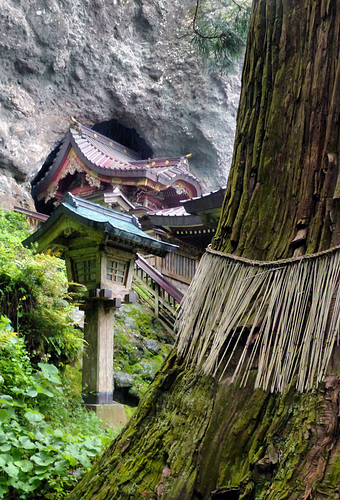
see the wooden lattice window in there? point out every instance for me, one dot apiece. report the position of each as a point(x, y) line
point(116, 271)
point(84, 271)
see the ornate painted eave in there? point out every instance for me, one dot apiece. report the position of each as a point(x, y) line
point(108, 226)
point(104, 160)
point(40, 186)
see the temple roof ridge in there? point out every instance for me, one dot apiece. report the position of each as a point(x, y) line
point(107, 141)
point(104, 160)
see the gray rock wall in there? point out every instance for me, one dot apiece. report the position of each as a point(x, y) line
point(96, 60)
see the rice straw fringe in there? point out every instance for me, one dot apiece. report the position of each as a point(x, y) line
point(289, 309)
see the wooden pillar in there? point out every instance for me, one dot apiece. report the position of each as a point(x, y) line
point(97, 378)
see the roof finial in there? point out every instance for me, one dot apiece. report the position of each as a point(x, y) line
point(75, 124)
point(70, 199)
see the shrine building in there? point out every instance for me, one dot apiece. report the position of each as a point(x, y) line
point(161, 192)
point(91, 166)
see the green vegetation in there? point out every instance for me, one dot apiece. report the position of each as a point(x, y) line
point(47, 439)
point(33, 296)
point(141, 344)
point(220, 30)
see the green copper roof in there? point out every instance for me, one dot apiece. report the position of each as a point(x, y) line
point(115, 224)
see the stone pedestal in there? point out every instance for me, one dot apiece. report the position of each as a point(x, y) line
point(97, 378)
point(112, 415)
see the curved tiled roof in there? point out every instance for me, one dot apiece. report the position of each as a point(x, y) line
point(109, 222)
point(110, 159)
point(101, 150)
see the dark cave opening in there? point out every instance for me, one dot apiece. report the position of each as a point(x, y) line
point(123, 135)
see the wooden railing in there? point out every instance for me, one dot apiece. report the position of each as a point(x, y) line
point(180, 267)
point(157, 292)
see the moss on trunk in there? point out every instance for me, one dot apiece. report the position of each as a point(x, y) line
point(270, 446)
point(160, 446)
point(286, 155)
point(193, 438)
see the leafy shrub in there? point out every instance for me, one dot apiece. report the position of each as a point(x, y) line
point(38, 460)
point(47, 439)
point(33, 295)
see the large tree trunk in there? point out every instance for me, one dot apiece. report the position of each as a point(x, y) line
point(193, 437)
point(284, 182)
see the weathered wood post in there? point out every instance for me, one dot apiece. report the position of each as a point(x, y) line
point(97, 369)
point(98, 354)
point(157, 300)
point(100, 247)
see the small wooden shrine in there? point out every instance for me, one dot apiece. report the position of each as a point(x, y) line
point(100, 247)
point(91, 166)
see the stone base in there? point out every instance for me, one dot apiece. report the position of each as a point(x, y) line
point(112, 415)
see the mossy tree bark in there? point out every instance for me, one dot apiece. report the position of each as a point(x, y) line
point(284, 187)
point(193, 437)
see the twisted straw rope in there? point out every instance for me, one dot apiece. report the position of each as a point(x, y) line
point(287, 311)
point(263, 263)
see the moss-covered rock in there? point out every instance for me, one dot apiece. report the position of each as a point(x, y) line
point(141, 345)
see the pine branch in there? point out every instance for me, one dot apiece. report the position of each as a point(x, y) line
point(241, 7)
point(222, 39)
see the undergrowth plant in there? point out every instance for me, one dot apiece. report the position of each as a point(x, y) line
point(47, 439)
point(46, 443)
point(34, 293)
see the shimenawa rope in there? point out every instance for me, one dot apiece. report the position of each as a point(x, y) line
point(281, 318)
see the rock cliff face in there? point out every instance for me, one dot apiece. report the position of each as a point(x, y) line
point(129, 60)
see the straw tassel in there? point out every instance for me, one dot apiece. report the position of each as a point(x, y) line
point(292, 307)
